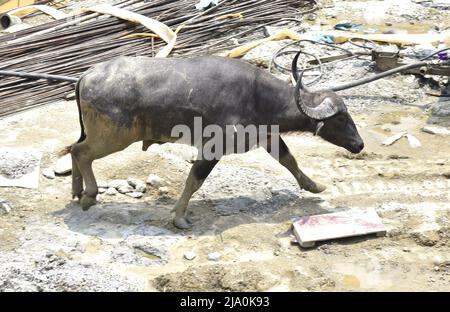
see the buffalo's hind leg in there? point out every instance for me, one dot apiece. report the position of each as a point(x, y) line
point(86, 152)
point(77, 180)
point(199, 172)
point(83, 156)
point(288, 161)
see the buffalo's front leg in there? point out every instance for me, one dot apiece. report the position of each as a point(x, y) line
point(288, 161)
point(199, 172)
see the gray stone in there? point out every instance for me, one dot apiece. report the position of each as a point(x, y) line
point(214, 256)
point(5, 206)
point(102, 184)
point(141, 187)
point(101, 190)
point(48, 173)
point(440, 114)
point(436, 130)
point(155, 180)
point(311, 17)
point(189, 255)
point(438, 260)
point(133, 182)
point(118, 183)
point(123, 189)
point(163, 190)
point(135, 194)
point(16, 163)
point(111, 191)
point(441, 109)
point(64, 164)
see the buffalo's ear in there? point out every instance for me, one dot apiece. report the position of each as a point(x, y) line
point(318, 127)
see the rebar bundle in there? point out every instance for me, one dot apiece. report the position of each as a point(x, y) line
point(93, 38)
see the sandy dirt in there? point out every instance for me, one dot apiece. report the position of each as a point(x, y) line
point(244, 211)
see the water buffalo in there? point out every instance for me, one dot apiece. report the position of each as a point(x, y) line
point(131, 99)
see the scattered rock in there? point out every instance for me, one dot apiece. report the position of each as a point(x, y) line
point(214, 256)
point(216, 278)
point(436, 130)
point(441, 109)
point(111, 191)
point(53, 273)
point(163, 190)
point(133, 182)
point(311, 17)
point(19, 167)
point(395, 156)
point(155, 180)
point(64, 165)
point(102, 184)
point(5, 206)
point(101, 190)
point(141, 187)
point(436, 268)
point(413, 141)
point(118, 183)
point(48, 173)
point(392, 139)
point(14, 164)
point(123, 189)
point(440, 113)
point(135, 194)
point(428, 238)
point(406, 249)
point(437, 260)
point(189, 255)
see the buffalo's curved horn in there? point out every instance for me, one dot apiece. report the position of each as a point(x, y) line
point(322, 111)
point(295, 72)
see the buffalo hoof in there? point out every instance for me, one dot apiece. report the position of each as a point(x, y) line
point(87, 201)
point(77, 195)
point(316, 188)
point(183, 223)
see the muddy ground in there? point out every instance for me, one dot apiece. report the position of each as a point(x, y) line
point(245, 209)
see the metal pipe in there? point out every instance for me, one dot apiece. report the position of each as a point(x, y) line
point(7, 20)
point(37, 76)
point(378, 76)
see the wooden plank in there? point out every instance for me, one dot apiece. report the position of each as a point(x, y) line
point(353, 222)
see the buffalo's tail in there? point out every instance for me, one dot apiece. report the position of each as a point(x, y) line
point(68, 148)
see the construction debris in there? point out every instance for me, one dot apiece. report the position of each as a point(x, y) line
point(413, 141)
point(72, 45)
point(436, 130)
point(311, 229)
point(19, 167)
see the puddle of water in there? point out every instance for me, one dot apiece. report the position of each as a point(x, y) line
point(362, 277)
point(351, 281)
